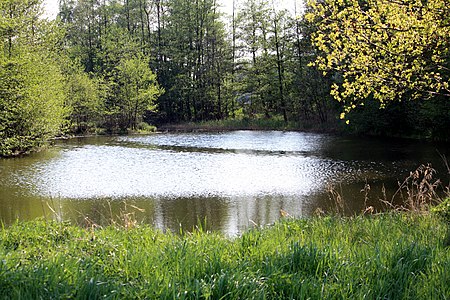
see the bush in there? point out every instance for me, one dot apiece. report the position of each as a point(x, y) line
point(31, 103)
point(145, 127)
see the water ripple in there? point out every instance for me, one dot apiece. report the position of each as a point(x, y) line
point(236, 164)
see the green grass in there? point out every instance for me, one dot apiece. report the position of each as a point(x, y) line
point(389, 256)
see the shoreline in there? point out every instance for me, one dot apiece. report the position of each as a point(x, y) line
point(248, 124)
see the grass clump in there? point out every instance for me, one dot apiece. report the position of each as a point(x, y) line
point(443, 210)
point(389, 256)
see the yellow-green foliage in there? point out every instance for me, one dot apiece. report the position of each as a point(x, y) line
point(392, 256)
point(85, 100)
point(31, 102)
point(383, 48)
point(138, 89)
point(31, 82)
point(443, 210)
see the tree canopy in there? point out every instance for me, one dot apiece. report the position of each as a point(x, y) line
point(117, 65)
point(32, 93)
point(385, 49)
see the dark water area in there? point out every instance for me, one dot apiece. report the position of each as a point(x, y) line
point(231, 181)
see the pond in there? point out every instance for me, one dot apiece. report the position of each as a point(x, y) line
point(226, 181)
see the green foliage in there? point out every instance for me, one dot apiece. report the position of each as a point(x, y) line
point(274, 77)
point(443, 210)
point(137, 89)
point(144, 127)
point(31, 82)
point(258, 122)
point(86, 101)
point(193, 61)
point(416, 119)
point(121, 86)
point(204, 70)
point(108, 66)
point(392, 256)
point(259, 76)
point(383, 49)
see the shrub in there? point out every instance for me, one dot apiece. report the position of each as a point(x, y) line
point(145, 127)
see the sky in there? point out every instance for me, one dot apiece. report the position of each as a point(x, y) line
point(51, 6)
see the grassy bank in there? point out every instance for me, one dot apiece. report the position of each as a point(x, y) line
point(276, 123)
point(390, 256)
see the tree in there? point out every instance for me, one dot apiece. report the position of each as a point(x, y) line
point(137, 90)
point(32, 93)
point(192, 60)
point(278, 42)
point(307, 88)
point(86, 101)
point(385, 49)
point(253, 22)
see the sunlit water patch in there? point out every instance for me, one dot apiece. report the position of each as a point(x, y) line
point(116, 171)
point(236, 141)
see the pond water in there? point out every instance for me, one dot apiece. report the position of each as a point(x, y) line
point(226, 181)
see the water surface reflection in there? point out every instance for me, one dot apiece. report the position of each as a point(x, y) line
point(228, 180)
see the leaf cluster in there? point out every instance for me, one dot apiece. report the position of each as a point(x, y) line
point(384, 49)
point(32, 91)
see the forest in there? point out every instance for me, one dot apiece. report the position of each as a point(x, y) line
point(377, 67)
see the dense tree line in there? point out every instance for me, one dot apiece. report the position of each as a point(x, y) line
point(255, 63)
point(116, 65)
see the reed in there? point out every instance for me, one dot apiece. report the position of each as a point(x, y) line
point(419, 192)
point(389, 256)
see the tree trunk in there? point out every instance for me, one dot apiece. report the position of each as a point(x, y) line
point(280, 70)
